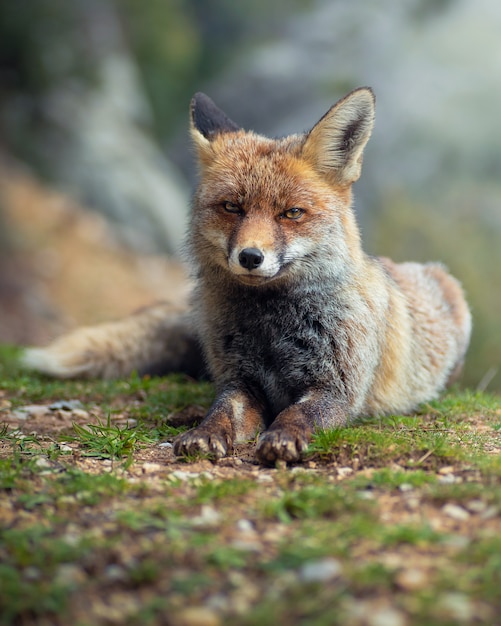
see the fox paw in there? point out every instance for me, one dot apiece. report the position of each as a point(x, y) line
point(201, 442)
point(280, 445)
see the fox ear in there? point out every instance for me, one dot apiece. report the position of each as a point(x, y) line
point(207, 121)
point(335, 144)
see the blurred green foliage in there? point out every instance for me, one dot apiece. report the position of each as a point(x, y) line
point(181, 44)
point(177, 45)
point(407, 231)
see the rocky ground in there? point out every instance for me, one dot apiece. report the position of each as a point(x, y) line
point(377, 528)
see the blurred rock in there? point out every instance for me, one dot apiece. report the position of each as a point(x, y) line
point(455, 512)
point(457, 607)
point(74, 106)
point(196, 616)
point(320, 571)
point(412, 579)
point(62, 265)
point(112, 163)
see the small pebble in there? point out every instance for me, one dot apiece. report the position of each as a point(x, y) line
point(412, 503)
point(375, 613)
point(457, 542)
point(412, 579)
point(448, 479)
point(66, 405)
point(404, 487)
point(196, 616)
point(366, 494)
point(32, 573)
point(247, 545)
point(457, 606)
point(448, 469)
point(490, 512)
point(115, 573)
point(42, 463)
point(320, 571)
point(343, 472)
point(30, 410)
point(70, 575)
point(386, 616)
point(476, 506)
point(150, 468)
point(183, 476)
point(455, 512)
point(264, 478)
point(208, 517)
point(218, 602)
point(245, 526)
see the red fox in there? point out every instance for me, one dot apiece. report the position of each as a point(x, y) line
point(298, 327)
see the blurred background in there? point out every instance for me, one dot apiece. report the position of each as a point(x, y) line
point(95, 164)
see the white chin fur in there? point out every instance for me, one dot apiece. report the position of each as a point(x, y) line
point(250, 279)
point(268, 269)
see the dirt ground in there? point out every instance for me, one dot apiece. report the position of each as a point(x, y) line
point(156, 461)
point(240, 528)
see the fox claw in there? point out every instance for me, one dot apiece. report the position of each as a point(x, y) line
point(280, 445)
point(196, 442)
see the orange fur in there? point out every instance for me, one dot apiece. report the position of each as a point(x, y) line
point(299, 327)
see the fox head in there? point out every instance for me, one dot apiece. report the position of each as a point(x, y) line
point(267, 209)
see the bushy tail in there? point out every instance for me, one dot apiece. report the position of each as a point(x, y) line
point(152, 341)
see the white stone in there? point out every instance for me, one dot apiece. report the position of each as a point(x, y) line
point(196, 616)
point(455, 512)
point(343, 472)
point(42, 463)
point(30, 410)
point(264, 478)
point(386, 616)
point(150, 468)
point(320, 571)
point(245, 526)
point(457, 606)
point(449, 479)
point(208, 517)
point(404, 487)
point(476, 506)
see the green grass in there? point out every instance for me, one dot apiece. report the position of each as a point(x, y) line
point(99, 525)
point(164, 395)
point(107, 441)
point(314, 502)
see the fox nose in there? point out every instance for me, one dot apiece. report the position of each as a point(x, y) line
point(250, 258)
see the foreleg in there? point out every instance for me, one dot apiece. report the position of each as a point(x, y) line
point(234, 416)
point(290, 433)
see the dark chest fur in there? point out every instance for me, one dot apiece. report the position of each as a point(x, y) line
point(279, 343)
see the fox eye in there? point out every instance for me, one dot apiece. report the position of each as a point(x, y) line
point(230, 207)
point(293, 214)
